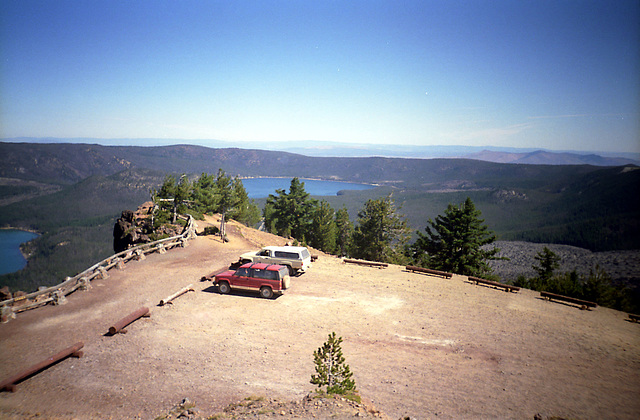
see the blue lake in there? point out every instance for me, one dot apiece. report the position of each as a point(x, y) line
point(11, 258)
point(262, 187)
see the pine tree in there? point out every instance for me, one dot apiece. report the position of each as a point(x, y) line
point(290, 214)
point(331, 369)
point(344, 229)
point(454, 242)
point(381, 232)
point(549, 261)
point(323, 228)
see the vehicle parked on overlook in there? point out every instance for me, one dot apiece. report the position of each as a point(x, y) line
point(295, 258)
point(268, 279)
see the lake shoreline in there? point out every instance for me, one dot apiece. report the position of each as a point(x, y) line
point(310, 179)
point(20, 247)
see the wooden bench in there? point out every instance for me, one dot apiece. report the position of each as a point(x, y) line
point(366, 263)
point(584, 304)
point(414, 269)
point(506, 287)
point(634, 318)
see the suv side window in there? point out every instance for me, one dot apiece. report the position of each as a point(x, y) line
point(242, 272)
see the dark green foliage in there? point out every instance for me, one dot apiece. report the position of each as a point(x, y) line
point(290, 214)
point(381, 233)
point(597, 287)
point(211, 230)
point(344, 231)
point(454, 242)
point(331, 370)
point(245, 210)
point(323, 228)
point(549, 262)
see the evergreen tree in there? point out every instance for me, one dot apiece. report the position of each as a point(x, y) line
point(344, 229)
point(454, 242)
point(331, 369)
point(549, 261)
point(173, 194)
point(381, 232)
point(204, 194)
point(226, 199)
point(290, 214)
point(323, 228)
point(246, 211)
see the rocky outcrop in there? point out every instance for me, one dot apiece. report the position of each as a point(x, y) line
point(133, 228)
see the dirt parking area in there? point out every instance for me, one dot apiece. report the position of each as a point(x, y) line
point(419, 346)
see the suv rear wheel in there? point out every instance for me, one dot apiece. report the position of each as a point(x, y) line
point(224, 288)
point(266, 292)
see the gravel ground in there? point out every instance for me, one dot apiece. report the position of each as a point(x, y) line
point(418, 345)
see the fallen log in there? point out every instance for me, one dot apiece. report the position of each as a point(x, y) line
point(367, 263)
point(634, 318)
point(506, 287)
point(429, 271)
point(9, 384)
point(118, 326)
point(584, 304)
point(176, 294)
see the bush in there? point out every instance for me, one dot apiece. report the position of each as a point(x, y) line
point(331, 369)
point(211, 230)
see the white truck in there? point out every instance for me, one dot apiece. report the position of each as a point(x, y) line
point(295, 258)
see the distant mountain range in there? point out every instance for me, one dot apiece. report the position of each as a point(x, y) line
point(542, 157)
point(531, 156)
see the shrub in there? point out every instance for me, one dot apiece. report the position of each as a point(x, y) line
point(331, 369)
point(211, 230)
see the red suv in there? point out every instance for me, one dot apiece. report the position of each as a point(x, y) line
point(266, 278)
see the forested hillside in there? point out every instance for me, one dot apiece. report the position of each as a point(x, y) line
point(72, 193)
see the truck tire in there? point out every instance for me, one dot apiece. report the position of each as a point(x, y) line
point(266, 292)
point(224, 288)
point(292, 271)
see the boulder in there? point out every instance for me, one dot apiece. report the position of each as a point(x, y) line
point(5, 293)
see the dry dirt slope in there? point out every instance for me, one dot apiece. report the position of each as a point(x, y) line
point(419, 346)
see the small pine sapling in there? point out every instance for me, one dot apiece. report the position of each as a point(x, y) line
point(331, 369)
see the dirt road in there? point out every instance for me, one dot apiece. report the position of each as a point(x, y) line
point(418, 345)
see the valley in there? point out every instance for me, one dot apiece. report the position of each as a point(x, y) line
point(73, 193)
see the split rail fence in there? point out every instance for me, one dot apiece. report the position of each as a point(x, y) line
point(57, 294)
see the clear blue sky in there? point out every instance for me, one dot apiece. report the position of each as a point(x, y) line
point(552, 74)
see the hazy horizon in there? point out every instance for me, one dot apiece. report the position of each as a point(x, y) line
point(553, 75)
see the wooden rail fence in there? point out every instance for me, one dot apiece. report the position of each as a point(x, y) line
point(57, 294)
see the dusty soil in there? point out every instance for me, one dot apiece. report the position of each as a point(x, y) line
point(418, 345)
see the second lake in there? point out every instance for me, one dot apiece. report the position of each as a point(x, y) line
point(262, 187)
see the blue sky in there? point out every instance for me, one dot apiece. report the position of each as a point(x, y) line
point(561, 75)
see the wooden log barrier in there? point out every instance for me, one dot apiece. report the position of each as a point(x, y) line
point(118, 326)
point(366, 263)
point(429, 271)
point(9, 384)
point(584, 304)
point(506, 287)
point(634, 318)
point(176, 294)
